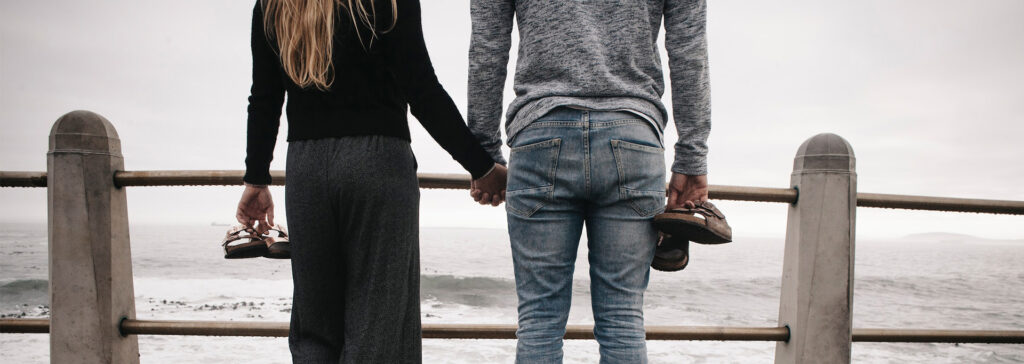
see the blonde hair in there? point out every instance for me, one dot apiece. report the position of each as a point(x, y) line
point(304, 31)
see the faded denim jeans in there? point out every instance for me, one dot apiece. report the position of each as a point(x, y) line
point(574, 168)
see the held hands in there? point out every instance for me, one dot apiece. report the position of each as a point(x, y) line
point(256, 206)
point(490, 189)
point(686, 191)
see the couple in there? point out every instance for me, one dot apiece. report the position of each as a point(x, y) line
point(585, 130)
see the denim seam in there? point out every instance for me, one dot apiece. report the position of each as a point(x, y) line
point(548, 190)
point(586, 152)
point(614, 123)
point(541, 144)
point(554, 124)
point(552, 170)
point(640, 147)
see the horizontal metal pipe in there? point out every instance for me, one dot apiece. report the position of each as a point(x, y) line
point(24, 326)
point(586, 332)
point(205, 328)
point(234, 178)
point(426, 180)
point(938, 336)
point(754, 194)
point(909, 202)
point(573, 332)
point(430, 331)
point(22, 179)
point(461, 181)
point(188, 178)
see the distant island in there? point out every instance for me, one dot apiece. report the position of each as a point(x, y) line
point(954, 237)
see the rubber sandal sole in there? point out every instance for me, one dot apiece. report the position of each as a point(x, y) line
point(672, 265)
point(245, 251)
point(278, 249)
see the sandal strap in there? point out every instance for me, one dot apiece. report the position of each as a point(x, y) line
point(281, 232)
point(236, 229)
point(705, 208)
point(235, 234)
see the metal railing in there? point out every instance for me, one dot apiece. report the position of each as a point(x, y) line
point(88, 206)
point(460, 181)
point(508, 332)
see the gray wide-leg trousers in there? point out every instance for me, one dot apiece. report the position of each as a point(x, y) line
point(353, 209)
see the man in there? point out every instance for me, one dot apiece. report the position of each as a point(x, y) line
point(585, 130)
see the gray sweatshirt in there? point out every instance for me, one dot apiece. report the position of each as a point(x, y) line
point(591, 54)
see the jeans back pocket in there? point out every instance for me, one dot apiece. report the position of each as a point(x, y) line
point(531, 176)
point(641, 176)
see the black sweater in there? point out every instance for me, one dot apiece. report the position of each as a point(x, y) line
point(371, 89)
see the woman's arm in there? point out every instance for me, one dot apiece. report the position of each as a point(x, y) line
point(265, 100)
point(256, 208)
point(406, 56)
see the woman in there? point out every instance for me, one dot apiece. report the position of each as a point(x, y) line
point(349, 68)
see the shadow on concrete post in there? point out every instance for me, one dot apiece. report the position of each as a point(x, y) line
point(817, 274)
point(90, 258)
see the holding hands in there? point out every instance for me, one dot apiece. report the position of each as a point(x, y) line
point(490, 189)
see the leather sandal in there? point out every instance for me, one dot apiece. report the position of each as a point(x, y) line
point(243, 242)
point(672, 254)
point(278, 246)
point(703, 224)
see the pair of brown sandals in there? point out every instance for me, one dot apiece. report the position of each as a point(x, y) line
point(244, 242)
point(703, 224)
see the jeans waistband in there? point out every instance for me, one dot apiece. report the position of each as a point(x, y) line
point(566, 113)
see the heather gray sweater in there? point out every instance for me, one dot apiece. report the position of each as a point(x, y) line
point(593, 54)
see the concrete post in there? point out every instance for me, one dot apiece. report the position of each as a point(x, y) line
point(90, 260)
point(817, 274)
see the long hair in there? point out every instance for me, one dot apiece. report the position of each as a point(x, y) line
point(304, 32)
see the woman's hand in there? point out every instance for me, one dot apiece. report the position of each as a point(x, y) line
point(256, 206)
point(490, 189)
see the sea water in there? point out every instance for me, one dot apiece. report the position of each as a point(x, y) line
point(937, 281)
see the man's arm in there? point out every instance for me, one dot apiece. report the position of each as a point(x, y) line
point(488, 62)
point(686, 43)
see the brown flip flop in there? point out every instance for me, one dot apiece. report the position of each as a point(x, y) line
point(243, 242)
point(278, 246)
point(703, 224)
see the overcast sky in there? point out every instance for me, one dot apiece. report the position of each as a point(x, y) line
point(930, 93)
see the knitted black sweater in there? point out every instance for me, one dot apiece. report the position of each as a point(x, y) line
point(372, 86)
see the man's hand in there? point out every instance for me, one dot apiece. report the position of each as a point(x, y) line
point(686, 191)
point(490, 189)
point(256, 206)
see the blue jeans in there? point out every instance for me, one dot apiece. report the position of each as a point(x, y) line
point(571, 168)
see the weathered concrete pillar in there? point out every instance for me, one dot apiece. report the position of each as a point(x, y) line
point(817, 273)
point(90, 260)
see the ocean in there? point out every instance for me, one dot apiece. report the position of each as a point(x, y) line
point(938, 281)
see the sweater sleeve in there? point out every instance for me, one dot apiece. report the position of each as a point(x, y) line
point(265, 100)
point(407, 58)
point(686, 44)
point(488, 64)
